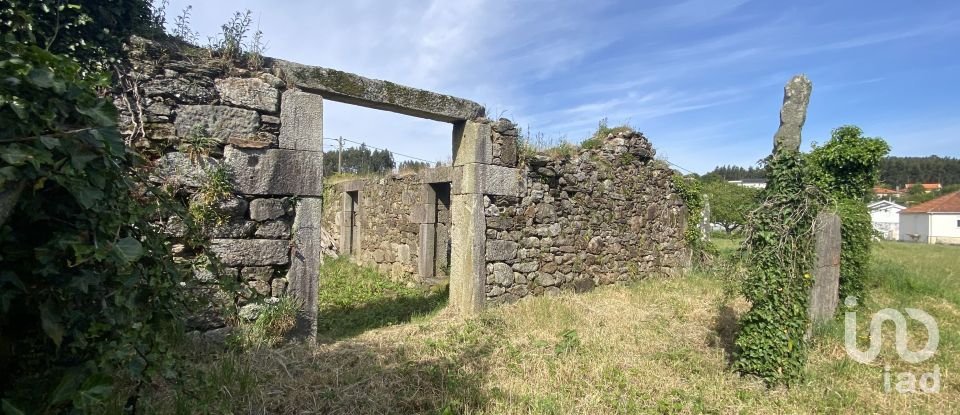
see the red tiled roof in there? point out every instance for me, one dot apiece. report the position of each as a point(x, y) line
point(926, 186)
point(883, 191)
point(944, 204)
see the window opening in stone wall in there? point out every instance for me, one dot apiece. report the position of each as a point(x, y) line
point(351, 216)
point(441, 245)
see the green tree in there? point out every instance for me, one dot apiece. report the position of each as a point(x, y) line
point(91, 32)
point(916, 190)
point(847, 167)
point(730, 203)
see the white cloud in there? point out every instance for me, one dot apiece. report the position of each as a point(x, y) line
point(559, 66)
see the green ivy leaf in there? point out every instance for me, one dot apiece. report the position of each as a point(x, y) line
point(50, 142)
point(87, 196)
point(67, 387)
point(79, 159)
point(40, 77)
point(128, 249)
point(9, 409)
point(14, 155)
point(51, 324)
point(99, 114)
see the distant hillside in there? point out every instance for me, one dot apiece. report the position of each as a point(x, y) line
point(898, 171)
point(730, 172)
point(894, 171)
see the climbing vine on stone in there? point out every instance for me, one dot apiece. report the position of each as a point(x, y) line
point(780, 246)
point(847, 167)
point(690, 191)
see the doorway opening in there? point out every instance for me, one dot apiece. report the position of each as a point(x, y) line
point(351, 237)
point(441, 245)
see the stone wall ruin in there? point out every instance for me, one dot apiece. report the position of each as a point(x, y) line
point(599, 216)
point(266, 134)
point(398, 224)
point(500, 225)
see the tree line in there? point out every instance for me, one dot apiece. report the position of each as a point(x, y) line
point(358, 160)
point(731, 172)
point(899, 171)
point(362, 160)
point(894, 171)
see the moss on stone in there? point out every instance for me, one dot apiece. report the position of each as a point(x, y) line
point(337, 81)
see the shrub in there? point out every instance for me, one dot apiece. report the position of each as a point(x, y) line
point(690, 191)
point(847, 168)
point(90, 31)
point(88, 285)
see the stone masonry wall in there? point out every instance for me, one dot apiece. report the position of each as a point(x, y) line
point(266, 136)
point(603, 215)
point(391, 217)
point(600, 216)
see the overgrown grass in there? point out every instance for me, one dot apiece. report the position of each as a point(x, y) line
point(353, 299)
point(272, 325)
point(659, 346)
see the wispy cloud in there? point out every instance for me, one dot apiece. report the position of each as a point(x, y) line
point(694, 12)
point(690, 72)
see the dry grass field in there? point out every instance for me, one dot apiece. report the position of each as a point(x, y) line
point(656, 346)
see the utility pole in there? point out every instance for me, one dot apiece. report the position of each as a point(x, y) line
point(340, 156)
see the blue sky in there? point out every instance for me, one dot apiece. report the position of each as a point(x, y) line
point(702, 79)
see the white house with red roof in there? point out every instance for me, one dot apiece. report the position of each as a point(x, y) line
point(936, 221)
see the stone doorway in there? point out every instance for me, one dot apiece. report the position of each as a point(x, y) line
point(349, 233)
point(435, 246)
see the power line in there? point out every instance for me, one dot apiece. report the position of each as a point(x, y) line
point(678, 166)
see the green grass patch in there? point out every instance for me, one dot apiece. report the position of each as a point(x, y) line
point(657, 346)
point(353, 299)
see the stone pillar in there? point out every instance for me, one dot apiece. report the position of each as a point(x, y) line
point(301, 121)
point(824, 295)
point(305, 261)
point(346, 224)
point(793, 114)
point(473, 177)
point(467, 264)
point(471, 148)
point(301, 131)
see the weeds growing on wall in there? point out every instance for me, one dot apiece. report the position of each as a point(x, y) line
point(205, 205)
point(780, 257)
point(182, 29)
point(690, 191)
point(272, 325)
point(197, 144)
point(232, 43)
